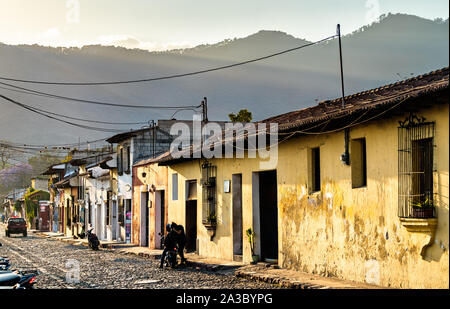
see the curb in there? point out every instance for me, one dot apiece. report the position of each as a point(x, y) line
point(75, 242)
point(283, 282)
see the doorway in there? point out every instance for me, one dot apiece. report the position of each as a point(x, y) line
point(144, 220)
point(114, 220)
point(265, 214)
point(159, 217)
point(191, 225)
point(236, 184)
point(98, 221)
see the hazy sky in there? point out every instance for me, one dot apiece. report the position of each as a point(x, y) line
point(166, 24)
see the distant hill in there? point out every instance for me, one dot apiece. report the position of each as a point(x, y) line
point(395, 48)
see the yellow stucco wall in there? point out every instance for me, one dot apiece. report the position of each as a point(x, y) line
point(353, 234)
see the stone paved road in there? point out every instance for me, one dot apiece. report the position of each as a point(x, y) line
point(108, 268)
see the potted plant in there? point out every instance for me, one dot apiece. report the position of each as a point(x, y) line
point(251, 239)
point(423, 209)
point(211, 223)
point(212, 218)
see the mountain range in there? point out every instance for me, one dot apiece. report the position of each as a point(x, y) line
point(394, 48)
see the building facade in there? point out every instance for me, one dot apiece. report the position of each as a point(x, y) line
point(150, 201)
point(359, 192)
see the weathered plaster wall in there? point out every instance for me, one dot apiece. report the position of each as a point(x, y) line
point(348, 233)
point(222, 244)
point(356, 233)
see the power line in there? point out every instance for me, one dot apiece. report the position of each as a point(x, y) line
point(51, 117)
point(88, 120)
point(59, 145)
point(74, 118)
point(34, 153)
point(55, 96)
point(165, 77)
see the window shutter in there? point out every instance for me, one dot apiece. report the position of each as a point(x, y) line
point(174, 187)
point(119, 162)
point(127, 167)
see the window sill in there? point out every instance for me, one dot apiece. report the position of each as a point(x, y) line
point(315, 193)
point(362, 187)
point(414, 225)
point(422, 232)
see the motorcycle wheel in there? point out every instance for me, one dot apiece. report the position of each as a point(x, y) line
point(173, 261)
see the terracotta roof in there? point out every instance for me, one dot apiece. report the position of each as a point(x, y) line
point(152, 160)
point(65, 181)
point(366, 100)
point(53, 170)
point(125, 135)
point(97, 159)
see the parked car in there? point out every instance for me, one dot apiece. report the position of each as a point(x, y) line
point(16, 226)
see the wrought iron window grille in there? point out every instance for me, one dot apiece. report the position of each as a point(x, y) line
point(415, 168)
point(208, 181)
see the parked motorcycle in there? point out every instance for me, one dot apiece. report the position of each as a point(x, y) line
point(170, 260)
point(93, 241)
point(15, 279)
point(18, 279)
point(4, 263)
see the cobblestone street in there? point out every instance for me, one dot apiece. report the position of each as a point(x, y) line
point(108, 269)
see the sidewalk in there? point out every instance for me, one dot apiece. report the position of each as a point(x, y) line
point(80, 242)
point(260, 272)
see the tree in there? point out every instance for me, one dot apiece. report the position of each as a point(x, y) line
point(42, 161)
point(5, 154)
point(17, 176)
point(242, 116)
point(31, 201)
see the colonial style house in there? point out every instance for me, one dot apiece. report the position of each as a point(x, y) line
point(359, 190)
point(69, 206)
point(150, 201)
point(149, 193)
point(10, 200)
point(131, 147)
point(55, 174)
point(96, 199)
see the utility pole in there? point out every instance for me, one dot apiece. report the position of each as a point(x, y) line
point(204, 105)
point(345, 157)
point(340, 57)
point(154, 137)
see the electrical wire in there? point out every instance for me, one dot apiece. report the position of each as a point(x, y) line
point(55, 96)
point(55, 145)
point(80, 119)
point(51, 117)
point(169, 76)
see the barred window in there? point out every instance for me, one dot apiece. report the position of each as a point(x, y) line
point(415, 168)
